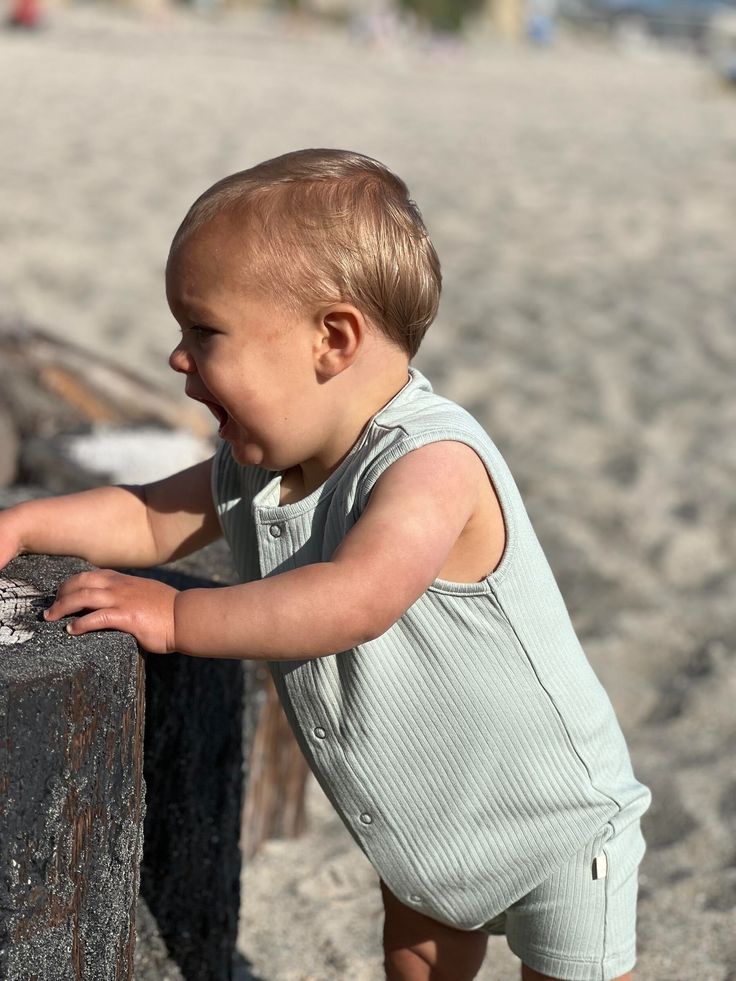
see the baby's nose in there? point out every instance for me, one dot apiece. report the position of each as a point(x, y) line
point(179, 360)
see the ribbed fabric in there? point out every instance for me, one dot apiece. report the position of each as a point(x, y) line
point(576, 927)
point(470, 749)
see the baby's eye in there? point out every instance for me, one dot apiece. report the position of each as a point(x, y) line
point(201, 333)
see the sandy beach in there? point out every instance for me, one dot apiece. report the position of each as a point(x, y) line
point(582, 200)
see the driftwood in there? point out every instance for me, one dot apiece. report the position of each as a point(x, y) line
point(49, 387)
point(277, 772)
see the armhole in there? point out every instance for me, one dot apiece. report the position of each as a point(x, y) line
point(499, 478)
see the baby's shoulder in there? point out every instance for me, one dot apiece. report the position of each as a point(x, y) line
point(412, 423)
point(427, 412)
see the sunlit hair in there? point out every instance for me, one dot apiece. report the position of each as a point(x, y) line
point(323, 226)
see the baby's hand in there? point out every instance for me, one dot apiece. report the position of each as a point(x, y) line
point(141, 607)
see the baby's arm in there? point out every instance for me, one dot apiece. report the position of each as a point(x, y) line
point(117, 526)
point(415, 514)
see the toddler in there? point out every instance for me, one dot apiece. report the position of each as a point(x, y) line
point(389, 574)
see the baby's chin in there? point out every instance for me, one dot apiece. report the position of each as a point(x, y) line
point(247, 455)
point(251, 455)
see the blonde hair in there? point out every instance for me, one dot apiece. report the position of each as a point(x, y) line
point(332, 226)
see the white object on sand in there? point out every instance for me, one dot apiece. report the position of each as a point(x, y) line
point(137, 454)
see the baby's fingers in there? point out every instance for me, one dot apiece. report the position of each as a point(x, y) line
point(107, 619)
point(86, 591)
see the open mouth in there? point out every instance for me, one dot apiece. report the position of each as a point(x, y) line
point(217, 411)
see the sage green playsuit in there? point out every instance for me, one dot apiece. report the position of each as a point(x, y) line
point(470, 750)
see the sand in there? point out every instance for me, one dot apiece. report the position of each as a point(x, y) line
point(582, 200)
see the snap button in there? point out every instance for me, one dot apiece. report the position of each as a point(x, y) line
point(366, 819)
point(320, 732)
point(275, 531)
point(414, 898)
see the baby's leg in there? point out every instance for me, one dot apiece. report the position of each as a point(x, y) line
point(417, 948)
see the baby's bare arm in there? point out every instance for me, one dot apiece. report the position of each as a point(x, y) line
point(416, 513)
point(117, 526)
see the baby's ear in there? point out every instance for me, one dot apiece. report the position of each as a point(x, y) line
point(341, 332)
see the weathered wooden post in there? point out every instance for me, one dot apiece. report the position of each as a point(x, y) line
point(72, 809)
point(190, 873)
point(71, 787)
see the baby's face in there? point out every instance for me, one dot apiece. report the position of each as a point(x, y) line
point(247, 358)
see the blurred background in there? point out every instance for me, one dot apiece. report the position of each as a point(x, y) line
point(575, 161)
